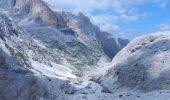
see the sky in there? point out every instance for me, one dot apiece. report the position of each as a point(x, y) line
point(123, 18)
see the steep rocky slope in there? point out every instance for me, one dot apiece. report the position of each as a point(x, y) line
point(72, 38)
point(25, 73)
point(142, 65)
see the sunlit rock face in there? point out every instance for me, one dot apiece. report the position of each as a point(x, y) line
point(34, 10)
point(143, 64)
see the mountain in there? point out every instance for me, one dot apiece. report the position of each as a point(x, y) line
point(37, 14)
point(45, 54)
point(142, 65)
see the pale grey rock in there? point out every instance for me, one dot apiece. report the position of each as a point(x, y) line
point(143, 64)
point(33, 10)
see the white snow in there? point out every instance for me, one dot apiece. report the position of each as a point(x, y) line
point(56, 70)
point(53, 71)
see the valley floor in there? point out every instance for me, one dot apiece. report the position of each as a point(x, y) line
point(92, 91)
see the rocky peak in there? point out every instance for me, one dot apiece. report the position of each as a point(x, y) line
point(84, 22)
point(34, 10)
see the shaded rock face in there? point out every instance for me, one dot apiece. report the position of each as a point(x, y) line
point(16, 81)
point(85, 24)
point(112, 46)
point(109, 44)
point(19, 83)
point(143, 64)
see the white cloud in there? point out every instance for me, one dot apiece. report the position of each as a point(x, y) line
point(164, 27)
point(106, 22)
point(129, 18)
point(109, 27)
point(163, 4)
point(129, 31)
point(76, 6)
point(130, 3)
point(117, 6)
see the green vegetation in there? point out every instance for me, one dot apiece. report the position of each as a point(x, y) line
point(11, 50)
point(14, 31)
point(79, 66)
point(95, 79)
point(43, 51)
point(78, 73)
point(22, 58)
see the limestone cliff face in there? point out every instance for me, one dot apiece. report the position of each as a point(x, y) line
point(34, 10)
point(105, 41)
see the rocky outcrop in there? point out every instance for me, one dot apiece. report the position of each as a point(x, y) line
point(143, 64)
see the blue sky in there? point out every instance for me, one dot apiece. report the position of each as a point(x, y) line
point(124, 18)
